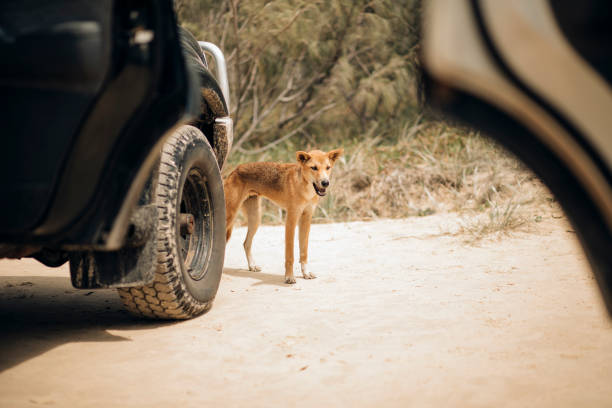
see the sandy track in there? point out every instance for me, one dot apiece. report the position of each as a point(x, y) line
point(400, 315)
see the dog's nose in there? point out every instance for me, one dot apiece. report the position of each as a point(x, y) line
point(325, 183)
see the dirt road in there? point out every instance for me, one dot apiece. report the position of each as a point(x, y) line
point(402, 314)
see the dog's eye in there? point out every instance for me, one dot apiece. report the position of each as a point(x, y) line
point(328, 167)
point(314, 168)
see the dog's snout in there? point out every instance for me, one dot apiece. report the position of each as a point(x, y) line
point(325, 183)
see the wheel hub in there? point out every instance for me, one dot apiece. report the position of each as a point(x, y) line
point(194, 225)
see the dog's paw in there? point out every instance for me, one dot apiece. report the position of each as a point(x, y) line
point(290, 280)
point(254, 268)
point(305, 273)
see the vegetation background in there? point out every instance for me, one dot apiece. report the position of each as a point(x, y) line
point(321, 74)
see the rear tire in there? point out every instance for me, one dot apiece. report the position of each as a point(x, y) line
point(189, 263)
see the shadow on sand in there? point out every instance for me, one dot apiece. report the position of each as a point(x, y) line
point(262, 277)
point(40, 313)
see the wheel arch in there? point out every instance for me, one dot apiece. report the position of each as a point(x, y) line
point(587, 218)
point(214, 120)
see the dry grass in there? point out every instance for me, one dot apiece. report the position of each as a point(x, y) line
point(496, 221)
point(425, 169)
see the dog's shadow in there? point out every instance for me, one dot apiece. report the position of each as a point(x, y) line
point(263, 277)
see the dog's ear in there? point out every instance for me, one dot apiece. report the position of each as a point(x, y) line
point(302, 157)
point(335, 154)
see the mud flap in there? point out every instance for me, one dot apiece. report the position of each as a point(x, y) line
point(132, 265)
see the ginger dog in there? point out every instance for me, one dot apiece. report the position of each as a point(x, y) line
point(296, 187)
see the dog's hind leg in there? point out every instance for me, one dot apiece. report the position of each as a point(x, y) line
point(252, 208)
point(234, 196)
point(304, 226)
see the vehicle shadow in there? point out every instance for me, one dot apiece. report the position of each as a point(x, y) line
point(262, 277)
point(38, 314)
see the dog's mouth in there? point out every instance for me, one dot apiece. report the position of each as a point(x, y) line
point(319, 191)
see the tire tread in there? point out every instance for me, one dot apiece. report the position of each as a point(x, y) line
point(167, 296)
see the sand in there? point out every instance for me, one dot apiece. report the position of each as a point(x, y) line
point(402, 314)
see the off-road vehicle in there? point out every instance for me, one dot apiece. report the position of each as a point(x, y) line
point(537, 76)
point(113, 135)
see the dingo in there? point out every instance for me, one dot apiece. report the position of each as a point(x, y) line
point(296, 187)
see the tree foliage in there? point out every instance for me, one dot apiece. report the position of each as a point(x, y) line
point(319, 70)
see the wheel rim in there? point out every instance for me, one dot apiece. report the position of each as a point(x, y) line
point(195, 242)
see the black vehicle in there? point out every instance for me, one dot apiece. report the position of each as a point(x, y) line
point(113, 136)
point(537, 76)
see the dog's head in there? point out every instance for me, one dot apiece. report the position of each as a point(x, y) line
point(317, 167)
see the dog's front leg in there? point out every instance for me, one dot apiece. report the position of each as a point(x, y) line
point(305, 220)
point(290, 224)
